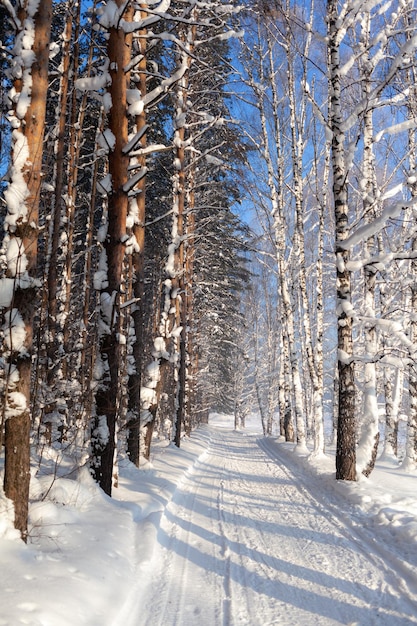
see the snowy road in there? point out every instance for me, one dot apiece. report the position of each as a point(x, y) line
point(244, 543)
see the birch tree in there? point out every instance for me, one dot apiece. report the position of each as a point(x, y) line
point(356, 127)
point(346, 427)
point(261, 80)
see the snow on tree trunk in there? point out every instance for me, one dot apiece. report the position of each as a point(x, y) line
point(275, 191)
point(54, 335)
point(393, 385)
point(108, 279)
point(410, 460)
point(369, 439)
point(346, 430)
point(137, 217)
point(179, 196)
point(297, 128)
point(19, 282)
point(322, 199)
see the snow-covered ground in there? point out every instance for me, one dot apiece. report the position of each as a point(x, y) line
point(232, 529)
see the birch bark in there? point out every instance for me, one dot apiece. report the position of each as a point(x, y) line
point(368, 443)
point(346, 426)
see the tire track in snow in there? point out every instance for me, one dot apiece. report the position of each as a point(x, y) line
point(177, 600)
point(227, 613)
point(292, 570)
point(188, 576)
point(243, 543)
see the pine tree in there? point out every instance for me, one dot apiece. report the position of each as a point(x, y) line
point(30, 75)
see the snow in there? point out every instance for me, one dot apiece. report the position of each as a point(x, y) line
point(16, 404)
point(17, 191)
point(15, 256)
point(7, 286)
point(106, 140)
point(94, 83)
point(232, 528)
point(14, 330)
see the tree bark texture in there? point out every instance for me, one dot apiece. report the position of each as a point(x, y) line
point(346, 430)
point(138, 231)
point(24, 232)
point(107, 397)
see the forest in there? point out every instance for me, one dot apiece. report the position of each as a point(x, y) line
point(206, 206)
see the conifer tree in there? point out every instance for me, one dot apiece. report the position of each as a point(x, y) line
point(29, 72)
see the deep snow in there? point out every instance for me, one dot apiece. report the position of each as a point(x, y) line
point(232, 529)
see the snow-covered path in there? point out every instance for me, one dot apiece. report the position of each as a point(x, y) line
point(244, 542)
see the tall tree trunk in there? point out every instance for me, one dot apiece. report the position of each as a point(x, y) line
point(53, 361)
point(137, 214)
point(346, 428)
point(103, 435)
point(178, 282)
point(322, 201)
point(297, 128)
point(277, 199)
point(368, 444)
point(410, 460)
point(22, 199)
point(191, 365)
point(393, 386)
point(188, 36)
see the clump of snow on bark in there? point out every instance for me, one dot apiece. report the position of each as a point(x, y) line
point(160, 350)
point(100, 434)
point(14, 330)
point(133, 215)
point(93, 83)
point(135, 102)
point(15, 256)
point(105, 185)
point(106, 308)
point(100, 368)
point(131, 245)
point(16, 404)
point(106, 140)
point(16, 193)
point(7, 286)
point(101, 280)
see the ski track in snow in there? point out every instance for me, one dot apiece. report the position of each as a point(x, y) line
point(243, 543)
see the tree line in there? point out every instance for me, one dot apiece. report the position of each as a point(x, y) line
point(122, 260)
point(329, 107)
point(134, 298)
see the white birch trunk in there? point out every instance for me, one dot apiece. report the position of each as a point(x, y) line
point(368, 443)
point(297, 128)
point(279, 231)
point(346, 431)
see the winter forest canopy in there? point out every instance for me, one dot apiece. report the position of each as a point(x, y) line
point(206, 206)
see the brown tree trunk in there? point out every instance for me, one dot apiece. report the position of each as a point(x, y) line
point(53, 269)
point(188, 37)
point(104, 426)
point(178, 281)
point(135, 379)
point(23, 233)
